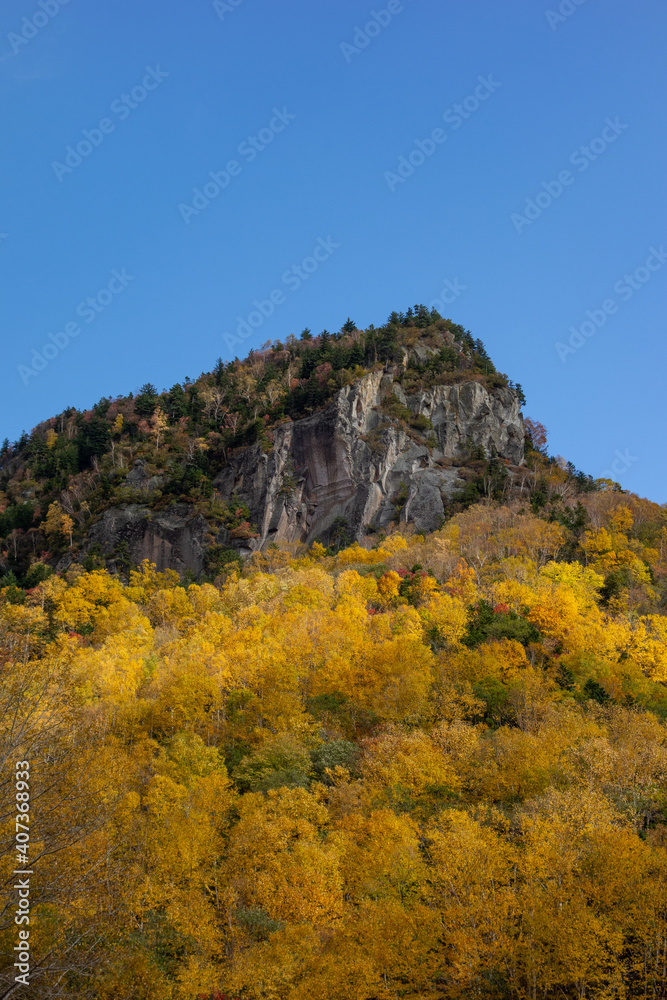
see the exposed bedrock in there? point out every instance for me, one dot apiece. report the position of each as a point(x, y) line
point(350, 463)
point(344, 470)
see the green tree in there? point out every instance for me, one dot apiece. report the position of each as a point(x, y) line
point(176, 404)
point(146, 401)
point(93, 440)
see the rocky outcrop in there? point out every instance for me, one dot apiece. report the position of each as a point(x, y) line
point(348, 467)
point(172, 539)
point(138, 479)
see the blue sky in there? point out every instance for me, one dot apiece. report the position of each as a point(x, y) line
point(338, 94)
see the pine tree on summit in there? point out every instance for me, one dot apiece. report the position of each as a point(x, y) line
point(146, 401)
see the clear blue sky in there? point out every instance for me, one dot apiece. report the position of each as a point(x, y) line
point(217, 78)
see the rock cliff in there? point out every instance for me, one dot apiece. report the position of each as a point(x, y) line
point(350, 468)
point(351, 465)
point(172, 539)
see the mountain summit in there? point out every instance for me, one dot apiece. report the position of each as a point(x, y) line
point(328, 438)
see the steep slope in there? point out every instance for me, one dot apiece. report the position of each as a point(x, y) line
point(349, 468)
point(327, 438)
point(352, 464)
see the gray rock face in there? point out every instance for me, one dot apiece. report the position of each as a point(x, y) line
point(342, 470)
point(173, 539)
point(348, 462)
point(138, 478)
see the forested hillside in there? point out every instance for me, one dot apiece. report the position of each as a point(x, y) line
point(430, 768)
point(57, 482)
point(426, 765)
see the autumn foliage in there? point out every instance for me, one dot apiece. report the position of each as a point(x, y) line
point(432, 768)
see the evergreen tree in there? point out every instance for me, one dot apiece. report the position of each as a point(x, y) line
point(146, 401)
point(93, 440)
point(176, 403)
point(219, 372)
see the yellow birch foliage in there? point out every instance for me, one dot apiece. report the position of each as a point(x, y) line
point(316, 780)
point(278, 861)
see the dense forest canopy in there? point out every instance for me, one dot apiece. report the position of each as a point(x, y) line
point(431, 768)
